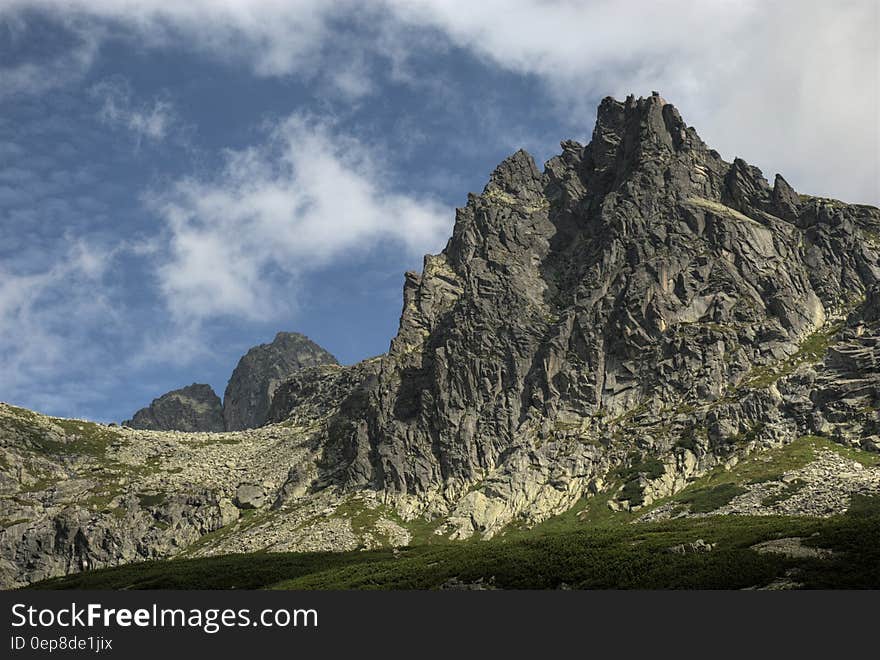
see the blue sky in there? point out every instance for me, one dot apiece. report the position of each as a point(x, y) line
point(179, 181)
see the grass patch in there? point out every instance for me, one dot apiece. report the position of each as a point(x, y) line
point(811, 351)
point(706, 500)
point(363, 522)
point(55, 436)
point(766, 465)
point(597, 556)
point(362, 518)
point(688, 440)
point(640, 465)
point(149, 500)
point(749, 436)
point(247, 519)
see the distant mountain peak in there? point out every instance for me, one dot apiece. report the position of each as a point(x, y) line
point(248, 395)
point(195, 407)
point(260, 371)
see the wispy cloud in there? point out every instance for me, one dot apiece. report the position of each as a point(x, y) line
point(152, 120)
point(273, 37)
point(51, 323)
point(239, 241)
point(38, 76)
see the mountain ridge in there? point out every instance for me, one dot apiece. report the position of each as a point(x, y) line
point(588, 271)
point(195, 407)
point(248, 394)
point(636, 316)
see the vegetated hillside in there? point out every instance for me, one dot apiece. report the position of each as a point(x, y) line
point(611, 330)
point(592, 546)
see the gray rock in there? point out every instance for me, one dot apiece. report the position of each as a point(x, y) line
point(259, 373)
point(691, 548)
point(192, 408)
point(633, 274)
point(249, 496)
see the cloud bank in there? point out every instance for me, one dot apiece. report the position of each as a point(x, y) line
point(788, 84)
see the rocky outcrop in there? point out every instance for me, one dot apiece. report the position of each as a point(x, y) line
point(192, 408)
point(259, 373)
point(824, 487)
point(249, 496)
point(638, 293)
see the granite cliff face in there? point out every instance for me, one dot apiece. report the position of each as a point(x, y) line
point(192, 408)
point(634, 316)
point(258, 374)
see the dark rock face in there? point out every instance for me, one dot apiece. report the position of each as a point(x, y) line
point(75, 539)
point(635, 277)
point(311, 392)
point(192, 408)
point(259, 373)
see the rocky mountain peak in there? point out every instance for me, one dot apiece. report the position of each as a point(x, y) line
point(621, 325)
point(636, 275)
point(195, 407)
point(637, 131)
point(259, 373)
point(248, 394)
point(515, 175)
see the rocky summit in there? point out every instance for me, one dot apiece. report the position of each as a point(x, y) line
point(193, 408)
point(259, 373)
point(640, 324)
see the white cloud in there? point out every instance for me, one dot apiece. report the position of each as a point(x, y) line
point(274, 37)
point(152, 120)
point(51, 324)
point(307, 196)
point(791, 85)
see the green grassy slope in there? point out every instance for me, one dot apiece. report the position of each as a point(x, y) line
point(603, 555)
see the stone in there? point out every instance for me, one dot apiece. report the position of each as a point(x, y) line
point(697, 546)
point(792, 547)
point(249, 496)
